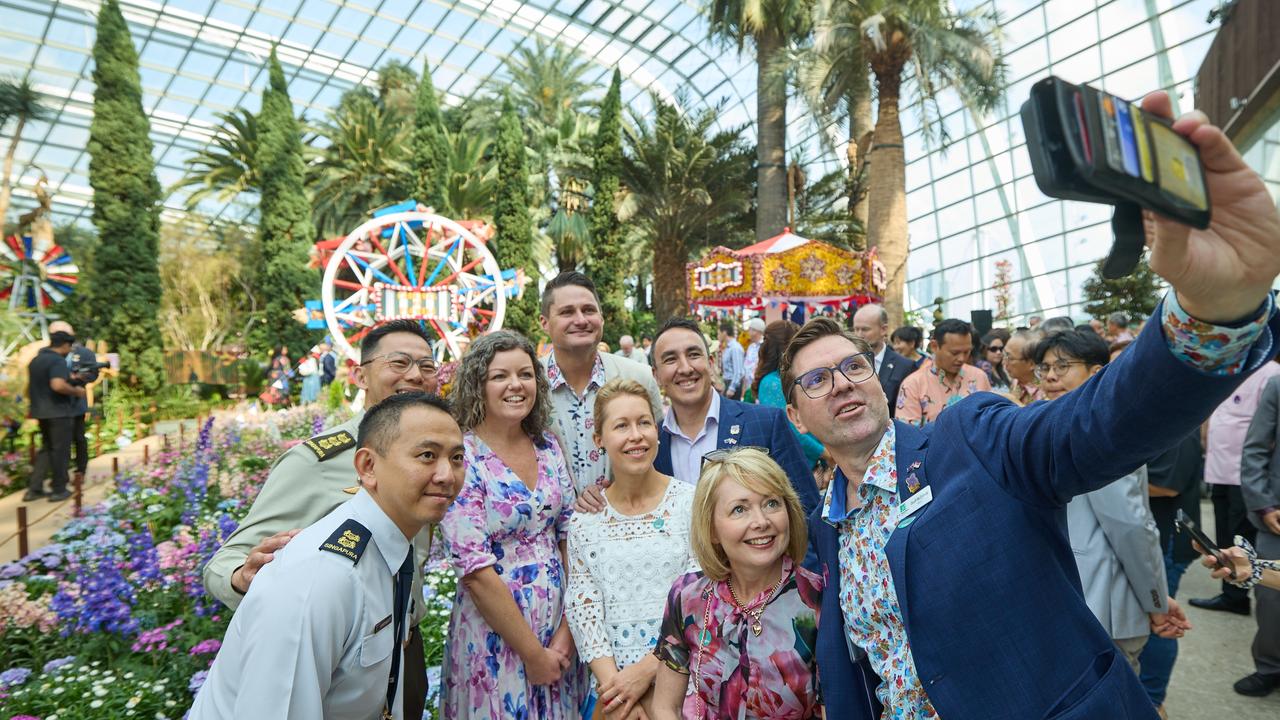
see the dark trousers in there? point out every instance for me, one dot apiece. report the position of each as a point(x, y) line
point(81, 443)
point(54, 455)
point(1230, 518)
point(1266, 644)
point(415, 676)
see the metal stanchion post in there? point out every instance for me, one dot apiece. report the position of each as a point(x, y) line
point(115, 465)
point(78, 481)
point(146, 454)
point(23, 550)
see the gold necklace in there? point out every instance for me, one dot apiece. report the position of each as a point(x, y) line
point(756, 627)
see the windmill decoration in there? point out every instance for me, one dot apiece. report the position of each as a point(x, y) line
point(409, 263)
point(35, 279)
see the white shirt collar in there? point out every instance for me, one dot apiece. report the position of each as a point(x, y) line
point(391, 542)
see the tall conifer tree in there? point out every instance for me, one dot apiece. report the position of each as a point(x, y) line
point(513, 241)
point(126, 207)
point(430, 146)
point(607, 263)
point(284, 281)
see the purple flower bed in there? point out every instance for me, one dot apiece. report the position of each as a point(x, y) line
point(111, 620)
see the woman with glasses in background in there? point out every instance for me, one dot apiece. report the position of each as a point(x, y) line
point(623, 559)
point(509, 651)
point(738, 637)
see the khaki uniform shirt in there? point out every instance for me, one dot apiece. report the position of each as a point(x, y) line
point(306, 483)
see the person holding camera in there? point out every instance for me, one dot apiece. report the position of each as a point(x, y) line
point(83, 366)
point(52, 396)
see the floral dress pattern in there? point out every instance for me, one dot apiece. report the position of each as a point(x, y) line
point(735, 673)
point(498, 522)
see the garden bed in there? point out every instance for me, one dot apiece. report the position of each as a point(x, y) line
point(111, 620)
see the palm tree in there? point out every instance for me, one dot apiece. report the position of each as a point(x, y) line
point(365, 166)
point(933, 48)
point(684, 183)
point(549, 92)
point(547, 80)
point(226, 167)
point(472, 176)
point(771, 25)
point(18, 101)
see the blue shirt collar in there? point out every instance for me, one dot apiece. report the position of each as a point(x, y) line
point(835, 506)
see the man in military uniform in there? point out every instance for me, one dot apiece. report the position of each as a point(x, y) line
point(323, 633)
point(314, 477)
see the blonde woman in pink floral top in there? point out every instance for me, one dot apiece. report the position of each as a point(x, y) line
point(509, 652)
point(737, 640)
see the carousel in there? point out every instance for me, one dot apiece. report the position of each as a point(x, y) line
point(776, 275)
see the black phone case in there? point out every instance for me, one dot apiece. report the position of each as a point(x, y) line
point(1063, 168)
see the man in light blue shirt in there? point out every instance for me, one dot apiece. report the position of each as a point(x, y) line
point(732, 360)
point(322, 629)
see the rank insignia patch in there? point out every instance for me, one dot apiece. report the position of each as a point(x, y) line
point(349, 541)
point(330, 445)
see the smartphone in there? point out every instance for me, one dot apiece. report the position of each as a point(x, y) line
point(1186, 524)
point(1088, 145)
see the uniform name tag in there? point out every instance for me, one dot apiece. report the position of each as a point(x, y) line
point(915, 502)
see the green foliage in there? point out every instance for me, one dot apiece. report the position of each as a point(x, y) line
point(607, 262)
point(126, 207)
point(513, 240)
point(430, 146)
point(227, 166)
point(19, 100)
point(685, 185)
point(365, 167)
point(283, 280)
point(1136, 294)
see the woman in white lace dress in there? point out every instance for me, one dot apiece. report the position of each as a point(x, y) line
point(623, 560)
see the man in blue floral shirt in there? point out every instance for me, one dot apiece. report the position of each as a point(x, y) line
point(953, 590)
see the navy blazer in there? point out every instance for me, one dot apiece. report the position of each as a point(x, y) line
point(984, 574)
point(893, 370)
point(759, 426)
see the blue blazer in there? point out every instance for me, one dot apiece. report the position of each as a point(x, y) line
point(757, 426)
point(984, 573)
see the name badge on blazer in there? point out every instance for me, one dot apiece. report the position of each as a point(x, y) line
point(914, 503)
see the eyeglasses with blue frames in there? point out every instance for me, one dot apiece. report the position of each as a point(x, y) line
point(819, 382)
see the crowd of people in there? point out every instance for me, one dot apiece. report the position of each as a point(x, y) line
point(813, 524)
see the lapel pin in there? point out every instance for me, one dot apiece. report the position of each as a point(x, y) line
point(730, 441)
point(913, 483)
point(734, 429)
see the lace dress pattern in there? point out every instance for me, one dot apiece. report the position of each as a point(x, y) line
point(620, 570)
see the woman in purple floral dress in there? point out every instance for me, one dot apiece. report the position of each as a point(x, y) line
point(738, 638)
point(510, 653)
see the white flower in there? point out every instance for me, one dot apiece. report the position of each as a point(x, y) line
point(58, 691)
point(95, 704)
point(170, 703)
point(128, 675)
point(99, 691)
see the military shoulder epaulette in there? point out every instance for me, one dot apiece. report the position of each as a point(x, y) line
point(330, 445)
point(349, 541)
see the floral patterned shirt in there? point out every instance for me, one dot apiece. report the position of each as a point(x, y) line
point(927, 392)
point(735, 673)
point(868, 600)
point(572, 415)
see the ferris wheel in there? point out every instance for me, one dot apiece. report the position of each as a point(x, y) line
point(420, 266)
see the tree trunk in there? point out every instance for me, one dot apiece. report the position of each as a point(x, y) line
point(860, 123)
point(6, 188)
point(670, 295)
point(887, 194)
point(771, 141)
